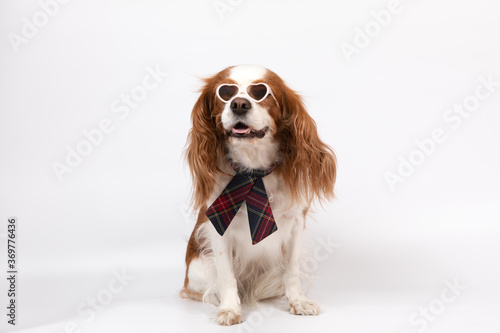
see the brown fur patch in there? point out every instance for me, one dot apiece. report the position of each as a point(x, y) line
point(205, 144)
point(192, 252)
point(309, 165)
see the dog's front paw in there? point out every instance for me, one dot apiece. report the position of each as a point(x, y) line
point(304, 307)
point(228, 317)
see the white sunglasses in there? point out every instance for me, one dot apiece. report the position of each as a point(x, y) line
point(256, 91)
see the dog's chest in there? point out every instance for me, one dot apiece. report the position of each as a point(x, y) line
point(286, 218)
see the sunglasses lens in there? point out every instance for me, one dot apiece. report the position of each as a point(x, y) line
point(257, 91)
point(226, 92)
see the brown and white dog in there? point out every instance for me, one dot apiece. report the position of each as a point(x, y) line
point(256, 132)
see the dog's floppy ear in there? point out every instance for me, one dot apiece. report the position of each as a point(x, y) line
point(203, 145)
point(309, 166)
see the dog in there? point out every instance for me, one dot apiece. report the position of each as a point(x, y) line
point(257, 165)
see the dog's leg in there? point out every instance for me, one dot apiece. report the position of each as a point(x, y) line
point(299, 304)
point(229, 311)
point(202, 278)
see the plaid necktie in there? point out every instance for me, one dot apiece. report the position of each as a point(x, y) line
point(246, 185)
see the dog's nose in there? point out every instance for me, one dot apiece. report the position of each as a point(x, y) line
point(240, 105)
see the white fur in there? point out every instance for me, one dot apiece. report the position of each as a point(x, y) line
point(231, 269)
point(257, 117)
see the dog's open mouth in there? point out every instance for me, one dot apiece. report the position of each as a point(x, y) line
point(241, 130)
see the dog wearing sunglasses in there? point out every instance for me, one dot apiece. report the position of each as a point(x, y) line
point(257, 165)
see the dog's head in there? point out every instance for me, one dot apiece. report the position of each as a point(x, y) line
point(249, 115)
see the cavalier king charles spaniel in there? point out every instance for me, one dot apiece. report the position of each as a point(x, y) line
point(257, 165)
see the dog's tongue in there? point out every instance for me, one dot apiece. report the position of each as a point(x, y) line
point(241, 130)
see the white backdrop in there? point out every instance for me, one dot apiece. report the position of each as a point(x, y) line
point(381, 78)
